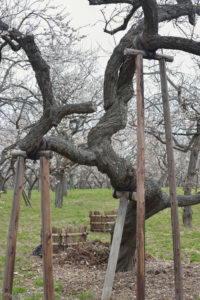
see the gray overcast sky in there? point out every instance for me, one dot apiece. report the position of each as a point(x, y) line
point(83, 14)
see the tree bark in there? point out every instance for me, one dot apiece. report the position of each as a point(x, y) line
point(118, 90)
point(60, 190)
point(156, 201)
point(190, 178)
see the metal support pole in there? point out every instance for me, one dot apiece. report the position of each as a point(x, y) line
point(12, 236)
point(172, 184)
point(140, 242)
point(114, 252)
point(46, 230)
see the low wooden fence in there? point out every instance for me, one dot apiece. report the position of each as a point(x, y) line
point(102, 222)
point(71, 235)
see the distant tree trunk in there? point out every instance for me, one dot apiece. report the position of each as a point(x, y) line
point(31, 186)
point(190, 178)
point(163, 179)
point(155, 201)
point(197, 176)
point(65, 186)
point(60, 189)
point(2, 184)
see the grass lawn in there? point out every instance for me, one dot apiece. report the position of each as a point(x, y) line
point(75, 210)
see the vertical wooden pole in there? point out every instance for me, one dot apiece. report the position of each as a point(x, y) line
point(140, 243)
point(46, 230)
point(12, 236)
point(172, 185)
point(114, 252)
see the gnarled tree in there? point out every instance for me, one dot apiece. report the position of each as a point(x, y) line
point(118, 91)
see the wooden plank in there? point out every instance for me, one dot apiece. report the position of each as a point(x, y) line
point(46, 230)
point(140, 242)
point(103, 223)
point(172, 185)
point(114, 252)
point(12, 236)
point(109, 216)
point(76, 234)
point(75, 243)
point(46, 153)
point(130, 51)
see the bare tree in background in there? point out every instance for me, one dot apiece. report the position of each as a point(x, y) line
point(73, 71)
point(184, 96)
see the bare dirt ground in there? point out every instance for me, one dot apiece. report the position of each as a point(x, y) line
point(83, 267)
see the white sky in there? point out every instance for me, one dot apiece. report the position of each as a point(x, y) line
point(90, 18)
point(83, 14)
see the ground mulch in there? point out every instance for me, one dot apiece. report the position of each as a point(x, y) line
point(82, 268)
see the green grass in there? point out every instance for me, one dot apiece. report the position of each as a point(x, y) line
point(75, 210)
point(58, 286)
point(19, 290)
point(85, 295)
point(38, 282)
point(159, 235)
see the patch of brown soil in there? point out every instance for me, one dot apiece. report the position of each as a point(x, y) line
point(83, 267)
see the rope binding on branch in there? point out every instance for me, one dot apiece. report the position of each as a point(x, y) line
point(142, 45)
point(130, 195)
point(42, 145)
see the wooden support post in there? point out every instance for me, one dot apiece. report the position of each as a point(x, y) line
point(46, 230)
point(131, 51)
point(140, 243)
point(12, 236)
point(114, 252)
point(172, 184)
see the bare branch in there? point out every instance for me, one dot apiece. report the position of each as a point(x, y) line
point(176, 43)
point(69, 150)
point(170, 12)
point(126, 21)
point(13, 46)
point(150, 17)
point(80, 108)
point(191, 15)
point(41, 69)
point(38, 64)
point(52, 118)
point(187, 200)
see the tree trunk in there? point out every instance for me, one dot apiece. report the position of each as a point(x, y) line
point(60, 190)
point(187, 216)
point(156, 201)
point(163, 179)
point(64, 186)
point(190, 180)
point(31, 186)
point(2, 184)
